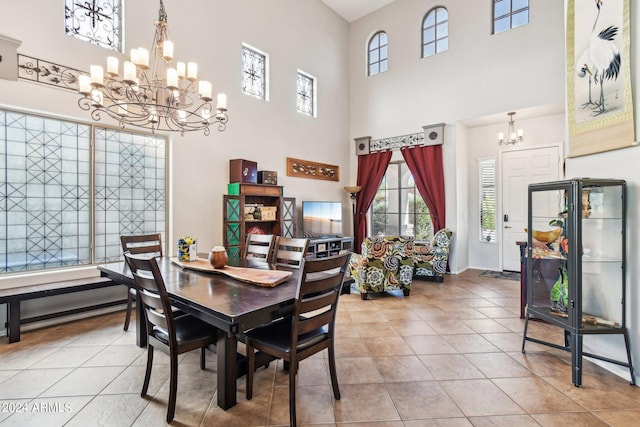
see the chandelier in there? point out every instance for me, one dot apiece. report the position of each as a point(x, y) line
point(514, 136)
point(152, 92)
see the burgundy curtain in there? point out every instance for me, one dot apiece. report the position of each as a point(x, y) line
point(371, 170)
point(425, 164)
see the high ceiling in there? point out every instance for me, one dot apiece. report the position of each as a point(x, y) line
point(352, 10)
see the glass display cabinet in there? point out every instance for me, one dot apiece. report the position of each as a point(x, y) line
point(576, 240)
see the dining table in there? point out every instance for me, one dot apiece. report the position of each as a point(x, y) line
point(231, 305)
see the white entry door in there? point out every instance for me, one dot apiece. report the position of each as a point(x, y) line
point(519, 169)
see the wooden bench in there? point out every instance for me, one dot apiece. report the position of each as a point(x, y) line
point(13, 296)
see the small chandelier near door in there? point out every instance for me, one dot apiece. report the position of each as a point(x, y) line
point(152, 92)
point(514, 137)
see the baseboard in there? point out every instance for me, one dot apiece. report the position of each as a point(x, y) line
point(71, 318)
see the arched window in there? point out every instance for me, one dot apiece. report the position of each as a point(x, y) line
point(378, 55)
point(435, 32)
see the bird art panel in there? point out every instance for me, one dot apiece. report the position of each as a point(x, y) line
point(600, 107)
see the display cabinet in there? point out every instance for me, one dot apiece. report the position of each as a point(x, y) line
point(275, 214)
point(575, 264)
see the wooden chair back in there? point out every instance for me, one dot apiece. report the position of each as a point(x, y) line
point(259, 246)
point(317, 295)
point(290, 252)
point(153, 295)
point(142, 244)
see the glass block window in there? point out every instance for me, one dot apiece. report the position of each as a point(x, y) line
point(95, 21)
point(435, 32)
point(51, 214)
point(487, 180)
point(306, 94)
point(508, 14)
point(254, 72)
point(378, 53)
point(398, 208)
point(130, 193)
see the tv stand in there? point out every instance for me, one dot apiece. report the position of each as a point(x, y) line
point(322, 247)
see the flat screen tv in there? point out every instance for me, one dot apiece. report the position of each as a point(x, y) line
point(321, 219)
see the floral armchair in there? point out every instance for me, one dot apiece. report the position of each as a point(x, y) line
point(431, 259)
point(386, 263)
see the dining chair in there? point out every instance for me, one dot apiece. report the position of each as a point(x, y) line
point(290, 252)
point(259, 246)
point(309, 330)
point(172, 335)
point(139, 244)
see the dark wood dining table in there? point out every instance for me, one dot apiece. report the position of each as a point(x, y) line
point(229, 304)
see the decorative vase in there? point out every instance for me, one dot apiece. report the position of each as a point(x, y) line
point(218, 257)
point(187, 249)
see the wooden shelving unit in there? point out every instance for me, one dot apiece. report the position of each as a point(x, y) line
point(242, 198)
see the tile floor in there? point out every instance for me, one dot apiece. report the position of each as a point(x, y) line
point(448, 355)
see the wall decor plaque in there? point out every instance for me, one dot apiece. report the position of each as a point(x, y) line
point(314, 170)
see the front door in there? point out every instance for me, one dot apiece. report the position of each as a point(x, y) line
point(519, 169)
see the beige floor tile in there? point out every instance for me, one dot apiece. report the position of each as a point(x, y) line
point(31, 383)
point(115, 355)
point(498, 365)
point(374, 329)
point(504, 421)
point(536, 396)
point(450, 367)
point(68, 357)
point(450, 326)
point(110, 410)
point(83, 382)
point(430, 344)
point(402, 369)
point(498, 312)
point(623, 418)
point(364, 402)
point(507, 342)
point(412, 327)
point(422, 399)
point(471, 343)
point(480, 398)
point(314, 405)
point(131, 379)
point(439, 422)
point(351, 347)
point(387, 346)
point(483, 326)
point(582, 419)
point(357, 370)
point(24, 358)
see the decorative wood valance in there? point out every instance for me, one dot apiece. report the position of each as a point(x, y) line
point(432, 135)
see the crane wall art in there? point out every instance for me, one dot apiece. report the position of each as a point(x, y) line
point(599, 99)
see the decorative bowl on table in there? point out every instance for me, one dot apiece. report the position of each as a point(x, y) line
point(218, 257)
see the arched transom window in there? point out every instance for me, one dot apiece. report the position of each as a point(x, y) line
point(378, 55)
point(435, 32)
